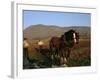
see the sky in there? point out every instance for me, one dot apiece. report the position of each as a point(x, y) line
point(62, 19)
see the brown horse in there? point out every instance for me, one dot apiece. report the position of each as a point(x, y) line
point(60, 45)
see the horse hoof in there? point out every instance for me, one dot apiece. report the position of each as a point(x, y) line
point(64, 65)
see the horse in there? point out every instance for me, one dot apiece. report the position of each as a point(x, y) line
point(68, 40)
point(60, 45)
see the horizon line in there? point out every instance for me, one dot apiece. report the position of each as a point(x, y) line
point(59, 25)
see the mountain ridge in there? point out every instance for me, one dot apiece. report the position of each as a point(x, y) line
point(40, 31)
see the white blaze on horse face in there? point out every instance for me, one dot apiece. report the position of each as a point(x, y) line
point(74, 36)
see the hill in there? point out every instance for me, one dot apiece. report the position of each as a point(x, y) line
point(41, 31)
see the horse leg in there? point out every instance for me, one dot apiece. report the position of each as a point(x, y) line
point(68, 54)
point(53, 57)
point(58, 57)
point(62, 57)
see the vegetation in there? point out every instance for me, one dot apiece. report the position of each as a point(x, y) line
point(80, 53)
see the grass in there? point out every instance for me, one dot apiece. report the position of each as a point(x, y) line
point(80, 53)
point(76, 62)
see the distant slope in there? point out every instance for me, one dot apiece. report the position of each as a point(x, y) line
point(44, 31)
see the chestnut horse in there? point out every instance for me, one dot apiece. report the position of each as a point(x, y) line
point(60, 45)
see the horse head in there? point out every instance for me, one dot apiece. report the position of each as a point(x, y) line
point(71, 37)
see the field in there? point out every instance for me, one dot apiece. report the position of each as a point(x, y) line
point(80, 55)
